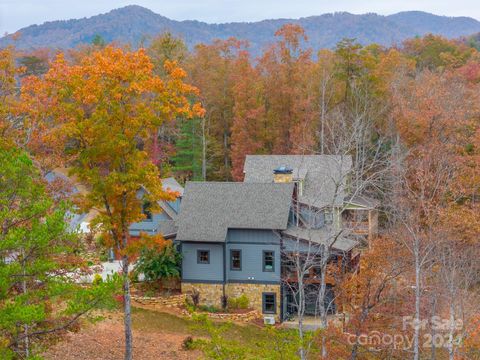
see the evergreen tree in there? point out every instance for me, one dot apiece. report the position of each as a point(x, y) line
point(37, 295)
point(187, 162)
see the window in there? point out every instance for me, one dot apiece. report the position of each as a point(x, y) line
point(269, 303)
point(328, 217)
point(268, 261)
point(299, 186)
point(146, 211)
point(235, 259)
point(203, 256)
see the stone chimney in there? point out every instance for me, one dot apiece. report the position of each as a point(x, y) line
point(283, 174)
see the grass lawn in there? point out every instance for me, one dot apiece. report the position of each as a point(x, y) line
point(150, 320)
point(157, 335)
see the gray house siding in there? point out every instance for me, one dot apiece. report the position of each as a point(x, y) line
point(252, 236)
point(194, 272)
point(252, 264)
point(175, 205)
point(252, 243)
point(148, 226)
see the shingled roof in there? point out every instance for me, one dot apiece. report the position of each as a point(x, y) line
point(322, 236)
point(324, 176)
point(209, 209)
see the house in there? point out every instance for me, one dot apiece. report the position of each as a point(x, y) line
point(236, 238)
point(229, 241)
point(154, 223)
point(68, 186)
point(161, 222)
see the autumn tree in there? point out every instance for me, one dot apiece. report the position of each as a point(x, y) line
point(163, 48)
point(96, 117)
point(436, 52)
point(35, 62)
point(8, 91)
point(369, 293)
point(167, 47)
point(288, 99)
point(211, 69)
point(249, 130)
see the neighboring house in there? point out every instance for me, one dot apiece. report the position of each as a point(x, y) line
point(156, 223)
point(236, 238)
point(162, 222)
point(68, 186)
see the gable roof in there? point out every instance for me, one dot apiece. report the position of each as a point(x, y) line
point(362, 201)
point(324, 176)
point(209, 209)
point(168, 185)
point(171, 185)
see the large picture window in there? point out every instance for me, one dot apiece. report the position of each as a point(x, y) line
point(269, 303)
point(268, 261)
point(203, 256)
point(236, 260)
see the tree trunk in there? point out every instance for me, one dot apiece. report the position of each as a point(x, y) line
point(416, 334)
point(451, 352)
point(204, 152)
point(127, 309)
point(321, 301)
point(300, 313)
point(26, 340)
point(433, 331)
point(322, 114)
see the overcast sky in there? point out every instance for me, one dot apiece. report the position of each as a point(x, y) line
point(15, 14)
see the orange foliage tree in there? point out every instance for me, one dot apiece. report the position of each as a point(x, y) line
point(8, 100)
point(96, 118)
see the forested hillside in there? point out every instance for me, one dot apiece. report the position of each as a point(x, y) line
point(122, 119)
point(134, 25)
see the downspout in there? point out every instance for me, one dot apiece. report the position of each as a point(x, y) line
point(224, 270)
point(282, 291)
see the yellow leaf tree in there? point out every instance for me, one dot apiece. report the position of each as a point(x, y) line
point(96, 117)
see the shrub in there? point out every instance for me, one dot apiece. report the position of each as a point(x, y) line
point(149, 293)
point(195, 298)
point(189, 306)
point(159, 264)
point(241, 302)
point(188, 343)
point(97, 279)
point(209, 308)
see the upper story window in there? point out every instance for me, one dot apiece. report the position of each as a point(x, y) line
point(146, 210)
point(312, 217)
point(235, 259)
point(203, 256)
point(268, 260)
point(328, 217)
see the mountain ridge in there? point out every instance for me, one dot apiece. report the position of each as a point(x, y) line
point(133, 24)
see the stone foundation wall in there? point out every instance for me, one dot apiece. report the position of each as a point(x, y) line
point(210, 294)
point(254, 294)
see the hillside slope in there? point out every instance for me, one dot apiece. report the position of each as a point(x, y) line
point(134, 24)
